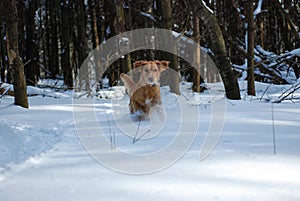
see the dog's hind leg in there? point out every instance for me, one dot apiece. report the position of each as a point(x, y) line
point(129, 83)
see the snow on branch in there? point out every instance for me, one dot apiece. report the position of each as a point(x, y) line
point(258, 9)
point(289, 94)
point(295, 52)
point(208, 8)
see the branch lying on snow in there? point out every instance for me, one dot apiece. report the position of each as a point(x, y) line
point(295, 52)
point(6, 89)
point(289, 94)
point(268, 63)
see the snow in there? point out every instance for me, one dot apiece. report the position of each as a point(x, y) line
point(108, 31)
point(270, 61)
point(210, 10)
point(295, 52)
point(258, 49)
point(43, 158)
point(258, 8)
point(148, 15)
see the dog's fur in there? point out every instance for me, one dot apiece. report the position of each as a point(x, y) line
point(146, 92)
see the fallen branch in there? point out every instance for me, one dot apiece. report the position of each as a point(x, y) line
point(286, 95)
point(6, 90)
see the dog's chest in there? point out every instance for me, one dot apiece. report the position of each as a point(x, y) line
point(148, 101)
point(144, 98)
point(147, 95)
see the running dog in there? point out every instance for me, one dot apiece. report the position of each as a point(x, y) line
point(145, 93)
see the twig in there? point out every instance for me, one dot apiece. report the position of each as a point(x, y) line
point(185, 97)
point(137, 131)
point(265, 92)
point(135, 140)
point(273, 129)
point(5, 92)
point(114, 139)
point(287, 93)
point(111, 137)
point(230, 102)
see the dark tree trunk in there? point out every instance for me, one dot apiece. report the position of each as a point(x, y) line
point(119, 26)
point(11, 18)
point(52, 45)
point(2, 46)
point(222, 60)
point(94, 24)
point(196, 75)
point(66, 35)
point(96, 14)
point(166, 23)
point(250, 48)
point(31, 69)
point(81, 26)
point(101, 24)
point(21, 29)
point(82, 42)
point(294, 28)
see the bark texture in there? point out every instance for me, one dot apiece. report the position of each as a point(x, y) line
point(222, 61)
point(20, 89)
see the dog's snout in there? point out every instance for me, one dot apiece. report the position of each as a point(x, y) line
point(151, 79)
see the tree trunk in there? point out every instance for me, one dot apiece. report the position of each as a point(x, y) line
point(6, 70)
point(286, 14)
point(2, 47)
point(222, 61)
point(66, 15)
point(52, 41)
point(101, 19)
point(173, 77)
point(21, 9)
point(196, 75)
point(119, 26)
point(250, 48)
point(83, 46)
point(94, 24)
point(11, 17)
point(97, 15)
point(31, 69)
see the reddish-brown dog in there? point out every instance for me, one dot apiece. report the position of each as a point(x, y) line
point(146, 92)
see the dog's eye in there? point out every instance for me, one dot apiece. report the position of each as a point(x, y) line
point(155, 70)
point(146, 70)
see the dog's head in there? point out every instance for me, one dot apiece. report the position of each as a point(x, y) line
point(151, 70)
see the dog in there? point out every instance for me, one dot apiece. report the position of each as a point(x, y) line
point(145, 93)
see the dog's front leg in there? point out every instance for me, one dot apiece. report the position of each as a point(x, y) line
point(130, 85)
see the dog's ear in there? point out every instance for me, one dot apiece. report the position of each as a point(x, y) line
point(164, 65)
point(139, 63)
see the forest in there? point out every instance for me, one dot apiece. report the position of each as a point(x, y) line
point(220, 123)
point(255, 40)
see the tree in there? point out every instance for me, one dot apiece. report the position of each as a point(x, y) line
point(55, 36)
point(11, 18)
point(66, 35)
point(82, 45)
point(31, 50)
point(52, 57)
point(119, 26)
point(2, 46)
point(250, 48)
point(222, 60)
point(196, 75)
point(166, 23)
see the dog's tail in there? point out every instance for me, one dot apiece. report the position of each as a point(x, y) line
point(129, 83)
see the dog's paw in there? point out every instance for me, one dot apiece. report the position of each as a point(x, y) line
point(138, 115)
point(122, 75)
point(157, 113)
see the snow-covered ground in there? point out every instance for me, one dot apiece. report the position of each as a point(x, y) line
point(43, 158)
